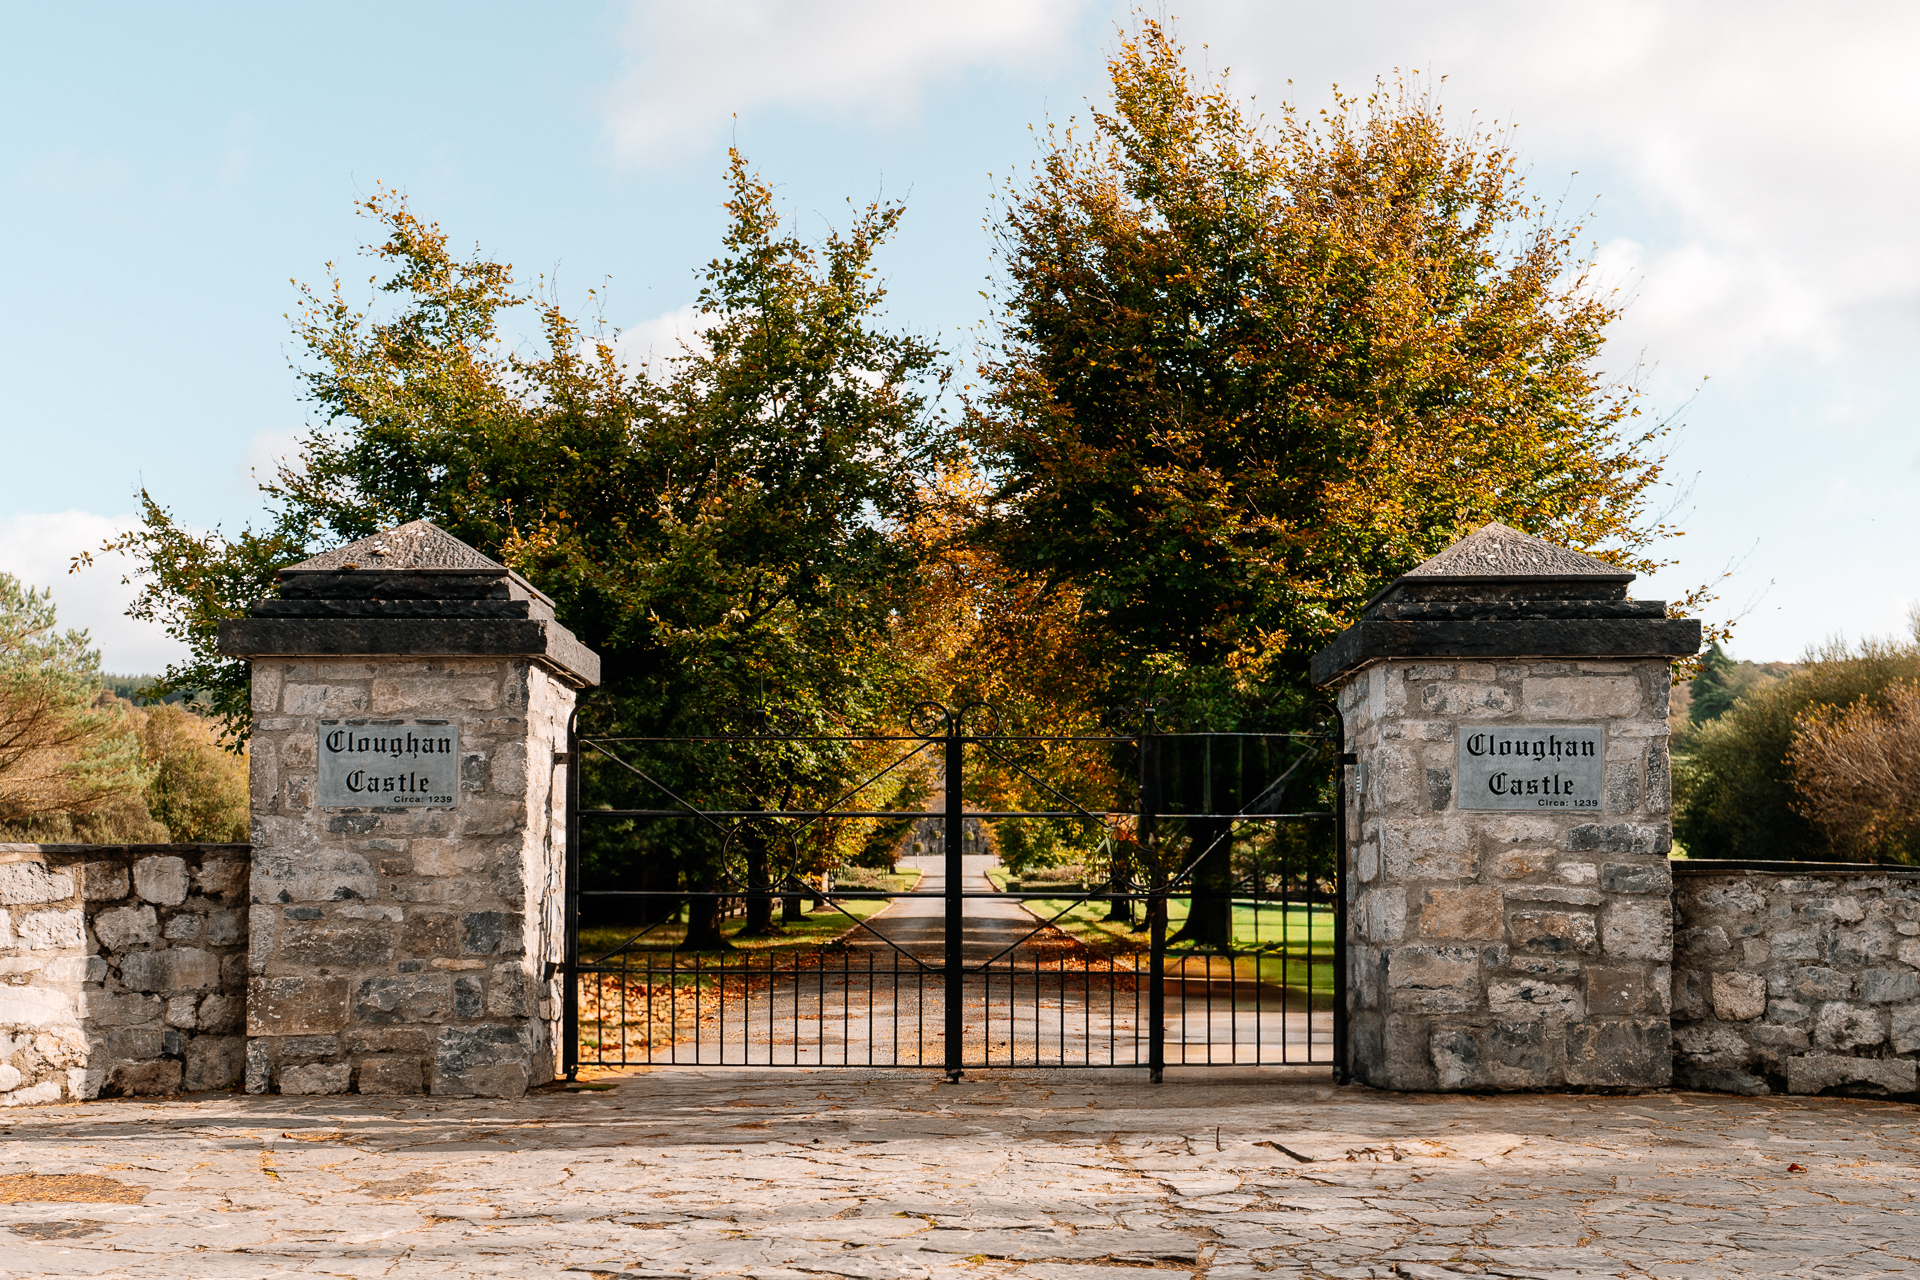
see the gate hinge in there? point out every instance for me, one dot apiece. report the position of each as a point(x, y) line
point(1349, 757)
point(562, 757)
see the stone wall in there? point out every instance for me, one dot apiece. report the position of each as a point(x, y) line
point(1796, 979)
point(408, 950)
point(1507, 950)
point(122, 970)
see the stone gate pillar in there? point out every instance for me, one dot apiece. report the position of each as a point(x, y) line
point(1509, 917)
point(410, 702)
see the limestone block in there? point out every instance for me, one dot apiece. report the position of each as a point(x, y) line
point(1531, 1001)
point(1739, 898)
point(183, 1012)
point(103, 881)
point(221, 1012)
point(1718, 1079)
point(1637, 929)
point(1843, 1026)
point(1889, 986)
point(185, 927)
point(51, 930)
point(1465, 912)
point(10, 1078)
point(218, 877)
point(33, 1095)
point(1739, 997)
point(1619, 837)
point(1818, 1072)
point(315, 1078)
point(1614, 992)
point(1517, 864)
point(511, 993)
point(411, 997)
point(490, 1061)
point(1905, 1036)
point(29, 883)
point(1577, 873)
point(170, 972)
point(31, 1007)
point(214, 1062)
point(1620, 1053)
point(1777, 1041)
point(391, 1075)
point(225, 928)
point(485, 933)
point(444, 693)
point(1636, 877)
point(125, 927)
point(1466, 698)
point(1582, 697)
point(268, 679)
point(1796, 944)
point(1427, 851)
point(321, 875)
point(1711, 941)
point(335, 944)
point(330, 700)
point(295, 1006)
point(291, 1049)
point(161, 879)
point(156, 1078)
point(1811, 983)
point(1434, 979)
point(1552, 931)
point(468, 996)
point(1909, 952)
point(1572, 895)
point(1622, 787)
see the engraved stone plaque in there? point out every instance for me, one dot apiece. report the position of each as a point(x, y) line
point(1522, 767)
point(389, 764)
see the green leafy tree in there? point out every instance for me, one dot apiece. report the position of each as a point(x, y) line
point(719, 530)
point(1251, 374)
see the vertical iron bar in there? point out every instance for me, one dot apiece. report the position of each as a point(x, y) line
point(570, 956)
point(1157, 903)
point(1342, 1072)
point(956, 907)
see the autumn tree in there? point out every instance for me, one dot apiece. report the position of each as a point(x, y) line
point(1856, 770)
point(60, 753)
point(1252, 371)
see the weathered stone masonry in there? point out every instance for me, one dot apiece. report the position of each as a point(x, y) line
point(408, 949)
point(122, 969)
point(1515, 949)
point(1797, 978)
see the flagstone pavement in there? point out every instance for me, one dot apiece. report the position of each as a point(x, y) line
point(812, 1174)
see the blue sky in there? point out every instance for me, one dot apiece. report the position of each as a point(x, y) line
point(1752, 169)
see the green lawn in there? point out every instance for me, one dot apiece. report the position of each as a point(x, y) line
point(818, 929)
point(1289, 946)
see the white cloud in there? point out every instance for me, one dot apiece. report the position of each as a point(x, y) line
point(663, 337)
point(37, 549)
point(265, 452)
point(1769, 153)
point(691, 67)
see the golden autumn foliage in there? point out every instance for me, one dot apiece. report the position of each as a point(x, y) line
point(1250, 373)
point(1856, 770)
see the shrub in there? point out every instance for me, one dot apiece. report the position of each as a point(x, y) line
point(1734, 792)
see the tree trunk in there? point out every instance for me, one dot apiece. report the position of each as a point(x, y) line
point(703, 926)
point(759, 886)
point(1210, 913)
point(1119, 905)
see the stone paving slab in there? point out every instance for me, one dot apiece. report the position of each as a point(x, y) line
point(800, 1175)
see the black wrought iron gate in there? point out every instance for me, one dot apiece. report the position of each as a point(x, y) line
point(1042, 973)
